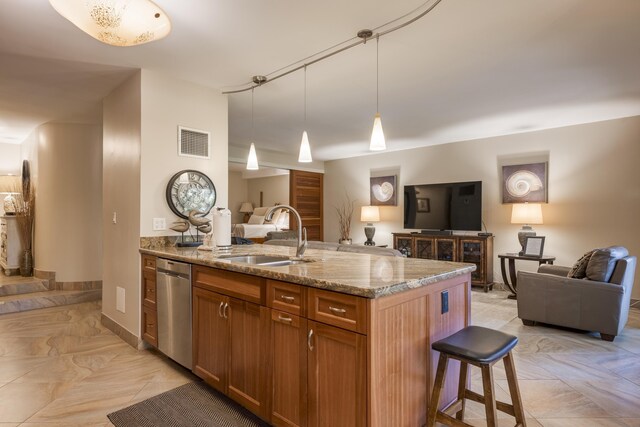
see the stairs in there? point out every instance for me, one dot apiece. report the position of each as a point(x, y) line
point(22, 294)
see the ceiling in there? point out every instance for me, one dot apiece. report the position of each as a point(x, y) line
point(467, 70)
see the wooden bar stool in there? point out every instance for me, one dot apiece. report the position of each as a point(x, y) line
point(480, 347)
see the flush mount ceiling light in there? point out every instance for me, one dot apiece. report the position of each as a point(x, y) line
point(305, 148)
point(116, 22)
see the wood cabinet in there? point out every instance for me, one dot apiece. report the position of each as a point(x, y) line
point(149, 310)
point(299, 356)
point(231, 336)
point(476, 250)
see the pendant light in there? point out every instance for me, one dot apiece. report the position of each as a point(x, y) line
point(252, 160)
point(305, 149)
point(377, 135)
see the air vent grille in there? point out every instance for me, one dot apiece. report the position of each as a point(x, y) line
point(193, 143)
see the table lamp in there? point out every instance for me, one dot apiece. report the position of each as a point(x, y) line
point(246, 208)
point(370, 214)
point(10, 185)
point(526, 214)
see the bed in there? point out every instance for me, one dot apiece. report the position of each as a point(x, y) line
point(257, 228)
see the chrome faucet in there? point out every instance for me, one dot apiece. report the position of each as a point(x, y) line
point(302, 244)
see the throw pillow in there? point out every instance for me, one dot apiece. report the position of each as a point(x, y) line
point(274, 217)
point(261, 211)
point(603, 261)
point(579, 269)
point(256, 219)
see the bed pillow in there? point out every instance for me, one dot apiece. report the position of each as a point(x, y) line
point(283, 220)
point(261, 211)
point(603, 261)
point(256, 219)
point(274, 217)
point(579, 269)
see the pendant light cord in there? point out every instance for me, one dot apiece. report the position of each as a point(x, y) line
point(305, 97)
point(252, 127)
point(378, 73)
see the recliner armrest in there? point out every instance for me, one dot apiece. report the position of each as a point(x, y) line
point(526, 279)
point(557, 270)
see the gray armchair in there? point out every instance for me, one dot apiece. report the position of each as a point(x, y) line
point(549, 296)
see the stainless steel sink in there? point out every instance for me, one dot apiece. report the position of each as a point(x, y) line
point(266, 260)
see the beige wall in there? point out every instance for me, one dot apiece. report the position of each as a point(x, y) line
point(166, 104)
point(594, 186)
point(10, 159)
point(237, 194)
point(66, 164)
point(275, 189)
point(273, 159)
point(121, 194)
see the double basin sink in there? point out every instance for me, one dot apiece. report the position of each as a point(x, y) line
point(264, 260)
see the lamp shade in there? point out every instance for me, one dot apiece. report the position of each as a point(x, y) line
point(370, 214)
point(305, 149)
point(526, 213)
point(10, 184)
point(246, 207)
point(116, 22)
point(377, 135)
point(252, 160)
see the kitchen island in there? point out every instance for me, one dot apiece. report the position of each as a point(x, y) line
point(341, 340)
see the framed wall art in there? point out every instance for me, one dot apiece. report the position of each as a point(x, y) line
point(524, 183)
point(383, 191)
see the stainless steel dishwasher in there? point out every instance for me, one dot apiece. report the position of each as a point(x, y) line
point(174, 310)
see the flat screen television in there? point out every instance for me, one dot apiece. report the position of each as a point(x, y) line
point(447, 206)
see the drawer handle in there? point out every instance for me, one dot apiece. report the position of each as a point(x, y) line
point(226, 306)
point(309, 340)
point(287, 298)
point(285, 319)
point(220, 309)
point(337, 310)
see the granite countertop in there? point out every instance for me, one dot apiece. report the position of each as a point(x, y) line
point(369, 276)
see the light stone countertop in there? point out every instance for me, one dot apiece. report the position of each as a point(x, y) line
point(369, 276)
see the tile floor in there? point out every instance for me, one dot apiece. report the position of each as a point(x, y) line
point(61, 367)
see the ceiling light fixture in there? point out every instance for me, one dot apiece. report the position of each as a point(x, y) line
point(377, 134)
point(305, 148)
point(116, 22)
point(252, 160)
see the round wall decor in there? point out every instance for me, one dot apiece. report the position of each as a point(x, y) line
point(190, 190)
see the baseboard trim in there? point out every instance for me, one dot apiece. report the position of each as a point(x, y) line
point(126, 336)
point(635, 303)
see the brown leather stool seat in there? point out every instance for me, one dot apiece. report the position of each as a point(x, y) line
point(480, 347)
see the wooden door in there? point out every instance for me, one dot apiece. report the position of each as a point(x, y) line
point(337, 370)
point(210, 338)
point(289, 349)
point(249, 361)
point(305, 195)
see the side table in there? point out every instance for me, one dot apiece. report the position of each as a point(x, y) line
point(512, 257)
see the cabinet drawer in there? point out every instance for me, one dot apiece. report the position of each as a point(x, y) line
point(345, 311)
point(149, 288)
point(287, 297)
point(148, 262)
point(150, 326)
point(238, 285)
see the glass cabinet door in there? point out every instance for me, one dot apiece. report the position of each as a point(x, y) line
point(471, 252)
point(424, 248)
point(446, 249)
point(404, 245)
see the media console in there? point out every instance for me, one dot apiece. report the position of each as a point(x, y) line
point(474, 249)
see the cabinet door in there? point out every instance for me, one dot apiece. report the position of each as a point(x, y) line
point(249, 361)
point(404, 245)
point(149, 288)
point(150, 325)
point(425, 248)
point(289, 349)
point(336, 376)
point(471, 251)
point(210, 338)
point(446, 250)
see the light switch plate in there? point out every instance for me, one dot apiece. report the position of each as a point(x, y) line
point(120, 299)
point(159, 224)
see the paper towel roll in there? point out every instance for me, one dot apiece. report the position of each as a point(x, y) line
point(222, 227)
